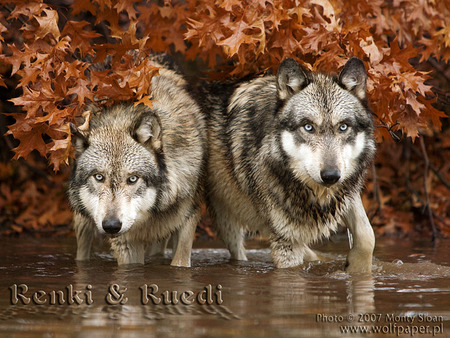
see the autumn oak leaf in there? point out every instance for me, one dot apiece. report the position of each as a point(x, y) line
point(48, 24)
point(29, 134)
point(234, 42)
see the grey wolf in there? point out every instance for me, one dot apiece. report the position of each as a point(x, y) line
point(288, 154)
point(137, 173)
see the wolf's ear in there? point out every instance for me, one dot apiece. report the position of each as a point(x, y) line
point(79, 139)
point(80, 134)
point(353, 77)
point(291, 78)
point(148, 131)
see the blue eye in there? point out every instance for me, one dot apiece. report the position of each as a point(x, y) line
point(343, 127)
point(99, 177)
point(309, 128)
point(132, 179)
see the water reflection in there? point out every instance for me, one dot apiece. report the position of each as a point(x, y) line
point(360, 294)
point(314, 299)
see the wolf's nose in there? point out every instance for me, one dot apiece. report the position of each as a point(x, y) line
point(330, 176)
point(112, 225)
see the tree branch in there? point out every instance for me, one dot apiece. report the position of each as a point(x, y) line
point(438, 67)
point(433, 169)
point(376, 190)
point(427, 197)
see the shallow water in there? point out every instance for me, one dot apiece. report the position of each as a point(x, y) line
point(408, 293)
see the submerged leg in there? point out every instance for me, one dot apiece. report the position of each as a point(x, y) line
point(359, 258)
point(228, 228)
point(85, 232)
point(311, 255)
point(233, 236)
point(157, 248)
point(128, 252)
point(184, 239)
point(286, 254)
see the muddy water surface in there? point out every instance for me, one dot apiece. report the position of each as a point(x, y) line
point(408, 293)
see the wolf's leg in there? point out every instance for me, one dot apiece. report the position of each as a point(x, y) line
point(311, 255)
point(359, 258)
point(286, 254)
point(85, 232)
point(157, 248)
point(232, 235)
point(184, 239)
point(175, 237)
point(229, 230)
point(128, 252)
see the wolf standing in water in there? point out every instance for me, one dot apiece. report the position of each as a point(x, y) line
point(137, 173)
point(289, 153)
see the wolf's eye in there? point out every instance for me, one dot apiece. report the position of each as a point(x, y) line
point(343, 127)
point(309, 128)
point(132, 179)
point(99, 177)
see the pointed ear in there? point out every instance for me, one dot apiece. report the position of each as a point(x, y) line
point(291, 78)
point(148, 131)
point(353, 77)
point(79, 139)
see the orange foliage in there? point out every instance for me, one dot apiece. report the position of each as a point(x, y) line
point(55, 51)
point(32, 200)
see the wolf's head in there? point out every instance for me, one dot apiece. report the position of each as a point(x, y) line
point(119, 167)
point(326, 127)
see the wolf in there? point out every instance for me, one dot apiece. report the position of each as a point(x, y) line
point(288, 154)
point(137, 173)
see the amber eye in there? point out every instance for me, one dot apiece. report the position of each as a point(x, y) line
point(343, 127)
point(309, 128)
point(132, 179)
point(99, 177)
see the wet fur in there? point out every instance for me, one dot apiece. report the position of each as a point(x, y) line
point(264, 170)
point(165, 147)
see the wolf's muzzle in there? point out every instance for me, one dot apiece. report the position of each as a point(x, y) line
point(112, 225)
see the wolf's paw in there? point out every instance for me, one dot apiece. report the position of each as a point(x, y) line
point(287, 261)
point(83, 256)
point(128, 260)
point(287, 255)
point(182, 263)
point(358, 264)
point(239, 255)
point(313, 255)
point(128, 252)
